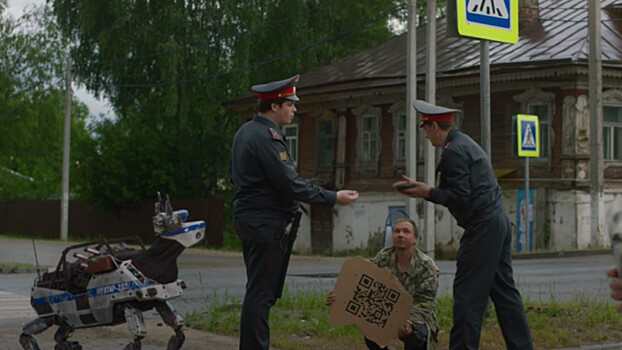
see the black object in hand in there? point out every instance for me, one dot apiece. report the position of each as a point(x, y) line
point(404, 186)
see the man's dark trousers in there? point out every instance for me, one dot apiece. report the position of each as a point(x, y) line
point(265, 256)
point(484, 268)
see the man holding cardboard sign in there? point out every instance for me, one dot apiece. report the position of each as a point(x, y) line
point(362, 296)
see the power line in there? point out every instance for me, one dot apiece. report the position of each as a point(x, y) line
point(242, 33)
point(334, 37)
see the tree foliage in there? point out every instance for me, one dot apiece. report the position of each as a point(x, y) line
point(167, 65)
point(32, 57)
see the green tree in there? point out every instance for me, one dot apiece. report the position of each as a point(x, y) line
point(32, 57)
point(166, 67)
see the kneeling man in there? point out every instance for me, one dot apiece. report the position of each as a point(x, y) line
point(419, 275)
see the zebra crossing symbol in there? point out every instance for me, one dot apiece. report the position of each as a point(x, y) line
point(489, 12)
point(528, 140)
point(495, 20)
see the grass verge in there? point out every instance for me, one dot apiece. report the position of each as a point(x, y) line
point(301, 321)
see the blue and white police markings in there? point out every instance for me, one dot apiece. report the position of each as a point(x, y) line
point(493, 13)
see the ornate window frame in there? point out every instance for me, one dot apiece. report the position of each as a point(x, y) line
point(324, 116)
point(292, 139)
point(398, 111)
point(533, 97)
point(611, 98)
point(362, 113)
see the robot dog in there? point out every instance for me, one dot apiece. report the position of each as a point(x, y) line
point(112, 283)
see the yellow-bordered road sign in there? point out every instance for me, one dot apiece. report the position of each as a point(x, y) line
point(495, 20)
point(528, 135)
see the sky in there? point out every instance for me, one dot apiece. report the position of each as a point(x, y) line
point(95, 104)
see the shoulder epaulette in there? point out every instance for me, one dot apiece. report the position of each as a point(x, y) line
point(275, 134)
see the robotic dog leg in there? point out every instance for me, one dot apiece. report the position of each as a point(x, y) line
point(136, 323)
point(37, 326)
point(174, 320)
point(65, 330)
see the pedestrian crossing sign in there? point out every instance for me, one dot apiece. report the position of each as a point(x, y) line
point(528, 135)
point(495, 20)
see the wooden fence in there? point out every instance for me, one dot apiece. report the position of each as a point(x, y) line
point(42, 219)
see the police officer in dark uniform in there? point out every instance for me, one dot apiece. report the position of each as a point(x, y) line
point(267, 192)
point(467, 186)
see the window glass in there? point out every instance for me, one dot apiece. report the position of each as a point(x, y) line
point(400, 147)
point(612, 132)
point(369, 138)
point(325, 144)
point(542, 111)
point(291, 136)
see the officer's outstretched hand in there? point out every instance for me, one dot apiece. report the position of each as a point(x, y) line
point(412, 188)
point(345, 197)
point(615, 285)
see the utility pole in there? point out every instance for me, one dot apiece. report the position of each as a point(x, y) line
point(411, 96)
point(429, 152)
point(64, 207)
point(484, 88)
point(596, 125)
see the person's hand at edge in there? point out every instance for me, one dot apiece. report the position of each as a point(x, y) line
point(416, 189)
point(330, 298)
point(616, 285)
point(405, 330)
point(345, 197)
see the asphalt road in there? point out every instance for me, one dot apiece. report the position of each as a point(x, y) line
point(212, 275)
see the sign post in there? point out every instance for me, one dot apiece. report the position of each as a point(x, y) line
point(495, 20)
point(528, 138)
point(487, 20)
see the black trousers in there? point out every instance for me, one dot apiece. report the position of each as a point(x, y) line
point(484, 269)
point(417, 340)
point(266, 256)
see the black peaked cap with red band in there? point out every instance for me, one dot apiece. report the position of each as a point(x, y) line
point(430, 112)
point(285, 88)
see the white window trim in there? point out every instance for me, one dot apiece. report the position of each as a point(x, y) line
point(612, 98)
point(295, 139)
point(397, 110)
point(324, 167)
point(362, 112)
point(537, 96)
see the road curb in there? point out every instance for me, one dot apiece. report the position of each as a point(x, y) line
point(613, 346)
point(561, 254)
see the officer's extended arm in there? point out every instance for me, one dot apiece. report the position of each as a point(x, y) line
point(456, 187)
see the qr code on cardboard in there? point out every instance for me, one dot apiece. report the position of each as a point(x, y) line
point(373, 301)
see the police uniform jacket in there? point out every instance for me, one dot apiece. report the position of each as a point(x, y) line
point(263, 173)
point(466, 183)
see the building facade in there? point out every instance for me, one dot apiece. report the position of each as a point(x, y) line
point(351, 127)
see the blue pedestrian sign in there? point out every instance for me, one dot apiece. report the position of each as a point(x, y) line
point(528, 135)
point(495, 20)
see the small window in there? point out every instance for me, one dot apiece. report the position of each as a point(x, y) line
point(369, 138)
point(291, 138)
point(400, 138)
point(612, 133)
point(325, 145)
point(543, 113)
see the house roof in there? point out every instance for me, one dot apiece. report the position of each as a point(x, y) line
point(560, 35)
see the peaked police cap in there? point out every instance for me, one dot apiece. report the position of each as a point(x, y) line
point(285, 88)
point(430, 112)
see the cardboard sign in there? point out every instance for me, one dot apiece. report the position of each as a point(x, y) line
point(372, 298)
